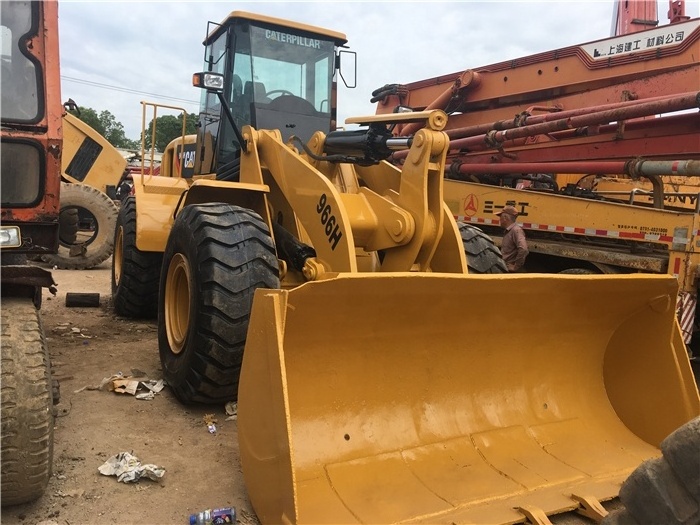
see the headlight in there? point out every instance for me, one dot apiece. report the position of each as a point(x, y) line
point(10, 237)
point(209, 81)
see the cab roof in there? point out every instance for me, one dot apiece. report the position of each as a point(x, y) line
point(338, 38)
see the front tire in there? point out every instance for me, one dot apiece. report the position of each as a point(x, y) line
point(483, 256)
point(135, 274)
point(665, 489)
point(27, 403)
point(216, 257)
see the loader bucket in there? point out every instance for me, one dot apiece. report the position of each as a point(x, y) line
point(436, 398)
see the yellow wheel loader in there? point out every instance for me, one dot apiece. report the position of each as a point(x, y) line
point(378, 379)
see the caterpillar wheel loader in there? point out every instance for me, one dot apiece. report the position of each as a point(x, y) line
point(325, 289)
point(31, 155)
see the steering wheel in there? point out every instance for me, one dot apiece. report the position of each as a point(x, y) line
point(281, 92)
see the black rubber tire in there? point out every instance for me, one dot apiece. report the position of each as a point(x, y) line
point(666, 489)
point(483, 256)
point(135, 274)
point(68, 220)
point(682, 451)
point(228, 253)
point(99, 247)
point(619, 517)
point(579, 271)
point(27, 404)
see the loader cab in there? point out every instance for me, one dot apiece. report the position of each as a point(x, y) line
point(277, 75)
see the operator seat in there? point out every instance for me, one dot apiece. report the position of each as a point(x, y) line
point(237, 87)
point(255, 91)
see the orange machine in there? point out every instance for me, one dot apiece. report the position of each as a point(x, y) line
point(579, 102)
point(610, 120)
point(31, 162)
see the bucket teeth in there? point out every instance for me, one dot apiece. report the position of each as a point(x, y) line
point(590, 507)
point(535, 515)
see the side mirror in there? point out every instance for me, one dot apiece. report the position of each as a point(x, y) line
point(347, 67)
point(212, 82)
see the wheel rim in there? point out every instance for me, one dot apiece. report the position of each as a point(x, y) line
point(118, 255)
point(177, 302)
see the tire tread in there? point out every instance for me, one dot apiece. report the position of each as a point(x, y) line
point(27, 415)
point(235, 255)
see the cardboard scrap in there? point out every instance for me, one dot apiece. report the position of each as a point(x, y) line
point(124, 386)
point(121, 384)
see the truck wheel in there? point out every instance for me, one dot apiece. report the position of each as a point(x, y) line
point(483, 256)
point(27, 404)
point(95, 236)
point(667, 489)
point(216, 257)
point(135, 274)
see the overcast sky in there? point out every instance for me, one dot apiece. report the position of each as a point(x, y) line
point(110, 50)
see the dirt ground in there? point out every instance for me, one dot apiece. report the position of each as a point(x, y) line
point(202, 470)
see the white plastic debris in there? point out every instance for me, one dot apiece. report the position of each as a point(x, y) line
point(153, 388)
point(231, 409)
point(128, 468)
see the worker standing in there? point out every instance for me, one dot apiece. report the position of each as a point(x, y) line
point(514, 244)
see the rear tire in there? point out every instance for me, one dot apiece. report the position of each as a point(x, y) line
point(90, 246)
point(483, 256)
point(578, 271)
point(27, 403)
point(135, 274)
point(216, 257)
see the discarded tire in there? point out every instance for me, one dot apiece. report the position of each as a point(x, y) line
point(93, 241)
point(666, 489)
point(27, 407)
point(217, 256)
point(483, 256)
point(135, 274)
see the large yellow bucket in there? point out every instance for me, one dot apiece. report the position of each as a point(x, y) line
point(436, 398)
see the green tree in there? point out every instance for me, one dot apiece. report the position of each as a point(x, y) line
point(169, 127)
point(106, 125)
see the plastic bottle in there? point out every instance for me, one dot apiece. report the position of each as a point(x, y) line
point(226, 515)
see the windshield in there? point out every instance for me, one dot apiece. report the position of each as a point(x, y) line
point(20, 77)
point(282, 63)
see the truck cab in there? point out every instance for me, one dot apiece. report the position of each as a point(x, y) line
point(31, 129)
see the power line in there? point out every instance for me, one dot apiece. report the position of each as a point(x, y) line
point(125, 90)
